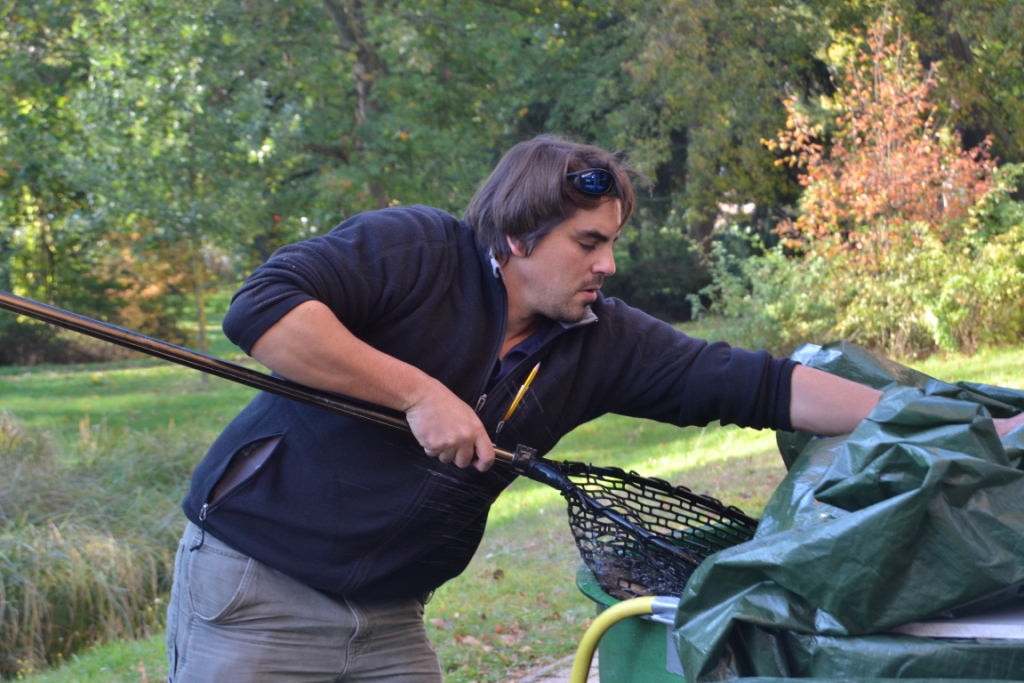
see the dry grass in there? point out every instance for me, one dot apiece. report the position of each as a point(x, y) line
point(87, 533)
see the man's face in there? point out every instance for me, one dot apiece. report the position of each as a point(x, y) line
point(561, 276)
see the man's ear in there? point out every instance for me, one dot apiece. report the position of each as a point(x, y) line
point(517, 248)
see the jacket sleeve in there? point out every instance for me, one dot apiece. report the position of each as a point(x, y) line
point(662, 374)
point(365, 269)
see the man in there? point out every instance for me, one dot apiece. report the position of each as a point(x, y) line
point(314, 539)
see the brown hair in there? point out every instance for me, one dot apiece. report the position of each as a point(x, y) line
point(528, 193)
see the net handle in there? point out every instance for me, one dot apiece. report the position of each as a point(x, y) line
point(213, 366)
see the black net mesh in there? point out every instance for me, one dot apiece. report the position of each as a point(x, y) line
point(625, 563)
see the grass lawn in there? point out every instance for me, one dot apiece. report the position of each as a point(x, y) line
point(142, 398)
point(516, 606)
point(142, 394)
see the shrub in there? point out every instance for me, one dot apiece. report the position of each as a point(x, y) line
point(981, 296)
point(657, 270)
point(32, 343)
point(952, 296)
point(770, 301)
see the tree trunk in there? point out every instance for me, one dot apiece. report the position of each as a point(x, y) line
point(49, 262)
point(350, 20)
point(200, 282)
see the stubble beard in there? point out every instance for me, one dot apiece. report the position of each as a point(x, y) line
point(571, 317)
point(571, 312)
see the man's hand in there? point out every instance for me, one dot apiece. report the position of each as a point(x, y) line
point(448, 429)
point(311, 346)
point(1005, 425)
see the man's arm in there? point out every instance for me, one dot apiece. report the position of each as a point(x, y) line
point(311, 346)
point(828, 405)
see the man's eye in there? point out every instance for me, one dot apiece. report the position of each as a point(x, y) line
point(588, 247)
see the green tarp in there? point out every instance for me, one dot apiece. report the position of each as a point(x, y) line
point(919, 511)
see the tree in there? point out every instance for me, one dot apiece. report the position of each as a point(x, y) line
point(135, 131)
point(43, 63)
point(880, 167)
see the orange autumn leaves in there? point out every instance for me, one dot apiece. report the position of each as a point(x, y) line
point(890, 171)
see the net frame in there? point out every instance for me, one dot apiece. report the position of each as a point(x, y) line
point(628, 564)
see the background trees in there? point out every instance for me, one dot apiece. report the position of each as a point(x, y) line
point(152, 152)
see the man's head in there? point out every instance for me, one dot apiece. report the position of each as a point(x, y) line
point(560, 277)
point(532, 190)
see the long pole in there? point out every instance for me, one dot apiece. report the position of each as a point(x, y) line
point(209, 364)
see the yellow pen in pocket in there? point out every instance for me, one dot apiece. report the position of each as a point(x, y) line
point(518, 398)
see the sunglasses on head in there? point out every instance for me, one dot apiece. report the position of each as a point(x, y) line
point(591, 180)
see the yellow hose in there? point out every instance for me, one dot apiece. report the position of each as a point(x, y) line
point(604, 621)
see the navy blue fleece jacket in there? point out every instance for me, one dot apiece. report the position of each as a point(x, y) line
point(356, 509)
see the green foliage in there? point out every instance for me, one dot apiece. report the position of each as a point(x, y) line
point(934, 295)
point(42, 64)
point(706, 84)
point(979, 301)
point(772, 300)
point(204, 136)
point(657, 268)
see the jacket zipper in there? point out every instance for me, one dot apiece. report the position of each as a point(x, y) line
point(252, 447)
point(482, 400)
point(202, 528)
point(501, 337)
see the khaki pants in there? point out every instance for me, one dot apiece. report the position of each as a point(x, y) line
point(233, 619)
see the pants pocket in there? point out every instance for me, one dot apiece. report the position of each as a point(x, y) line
point(218, 579)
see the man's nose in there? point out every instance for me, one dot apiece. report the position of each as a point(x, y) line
point(606, 264)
